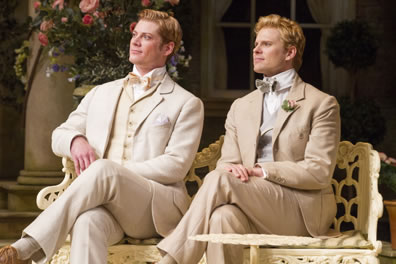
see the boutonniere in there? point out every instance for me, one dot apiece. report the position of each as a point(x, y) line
point(289, 105)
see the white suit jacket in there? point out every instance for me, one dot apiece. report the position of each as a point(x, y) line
point(162, 153)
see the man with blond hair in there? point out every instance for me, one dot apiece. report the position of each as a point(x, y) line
point(132, 142)
point(276, 162)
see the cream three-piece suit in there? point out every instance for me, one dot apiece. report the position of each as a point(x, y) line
point(143, 194)
point(296, 198)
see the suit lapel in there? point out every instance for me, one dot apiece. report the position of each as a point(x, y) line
point(296, 94)
point(112, 101)
point(254, 114)
point(163, 87)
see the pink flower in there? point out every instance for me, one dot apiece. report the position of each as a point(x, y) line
point(59, 3)
point(289, 105)
point(386, 159)
point(87, 19)
point(173, 2)
point(36, 5)
point(64, 19)
point(146, 3)
point(89, 6)
point(43, 39)
point(46, 25)
point(132, 26)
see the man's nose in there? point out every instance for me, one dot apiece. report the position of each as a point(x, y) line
point(135, 41)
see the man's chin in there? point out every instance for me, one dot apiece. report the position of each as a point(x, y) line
point(133, 60)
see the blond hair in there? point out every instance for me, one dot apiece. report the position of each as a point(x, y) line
point(290, 32)
point(169, 27)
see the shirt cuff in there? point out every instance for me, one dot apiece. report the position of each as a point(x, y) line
point(265, 173)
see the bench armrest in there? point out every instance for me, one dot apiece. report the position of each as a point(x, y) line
point(49, 194)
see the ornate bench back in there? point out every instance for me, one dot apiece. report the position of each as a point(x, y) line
point(354, 183)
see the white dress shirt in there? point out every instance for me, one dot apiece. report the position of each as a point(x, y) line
point(273, 100)
point(155, 76)
point(284, 81)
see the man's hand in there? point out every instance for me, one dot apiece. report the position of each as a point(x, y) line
point(244, 173)
point(239, 171)
point(82, 154)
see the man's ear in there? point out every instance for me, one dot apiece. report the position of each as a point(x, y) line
point(291, 53)
point(168, 47)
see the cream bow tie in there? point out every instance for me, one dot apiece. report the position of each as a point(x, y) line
point(266, 85)
point(135, 79)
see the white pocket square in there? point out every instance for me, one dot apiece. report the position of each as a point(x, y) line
point(161, 120)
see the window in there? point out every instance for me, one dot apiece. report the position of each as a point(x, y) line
point(228, 40)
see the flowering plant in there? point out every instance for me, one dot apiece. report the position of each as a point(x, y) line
point(96, 33)
point(289, 105)
point(388, 171)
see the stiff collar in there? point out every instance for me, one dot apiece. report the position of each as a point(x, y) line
point(284, 79)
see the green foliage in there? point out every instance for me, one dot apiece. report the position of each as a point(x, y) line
point(99, 45)
point(388, 176)
point(361, 121)
point(352, 45)
point(12, 35)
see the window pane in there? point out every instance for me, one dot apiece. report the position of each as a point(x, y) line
point(267, 7)
point(239, 11)
point(238, 56)
point(303, 14)
point(310, 71)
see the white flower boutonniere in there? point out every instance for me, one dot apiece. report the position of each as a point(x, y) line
point(289, 105)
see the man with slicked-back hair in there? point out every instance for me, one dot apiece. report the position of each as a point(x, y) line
point(277, 160)
point(132, 142)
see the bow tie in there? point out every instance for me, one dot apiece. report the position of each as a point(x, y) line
point(135, 79)
point(266, 85)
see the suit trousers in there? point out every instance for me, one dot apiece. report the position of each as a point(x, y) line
point(104, 202)
point(225, 204)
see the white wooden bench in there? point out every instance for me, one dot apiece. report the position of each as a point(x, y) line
point(359, 207)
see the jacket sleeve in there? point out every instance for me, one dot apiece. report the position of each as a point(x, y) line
point(172, 166)
point(316, 169)
point(75, 125)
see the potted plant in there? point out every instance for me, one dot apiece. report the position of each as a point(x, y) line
point(352, 46)
point(388, 178)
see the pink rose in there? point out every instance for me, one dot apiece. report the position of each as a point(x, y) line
point(89, 6)
point(87, 19)
point(146, 3)
point(36, 5)
point(43, 39)
point(46, 25)
point(173, 2)
point(132, 26)
point(59, 3)
point(64, 19)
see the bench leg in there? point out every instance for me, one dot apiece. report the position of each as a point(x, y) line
point(254, 254)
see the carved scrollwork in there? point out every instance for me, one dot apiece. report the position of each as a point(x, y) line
point(338, 259)
point(206, 158)
point(62, 256)
point(49, 194)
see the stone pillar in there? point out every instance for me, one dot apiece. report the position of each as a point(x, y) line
point(49, 103)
